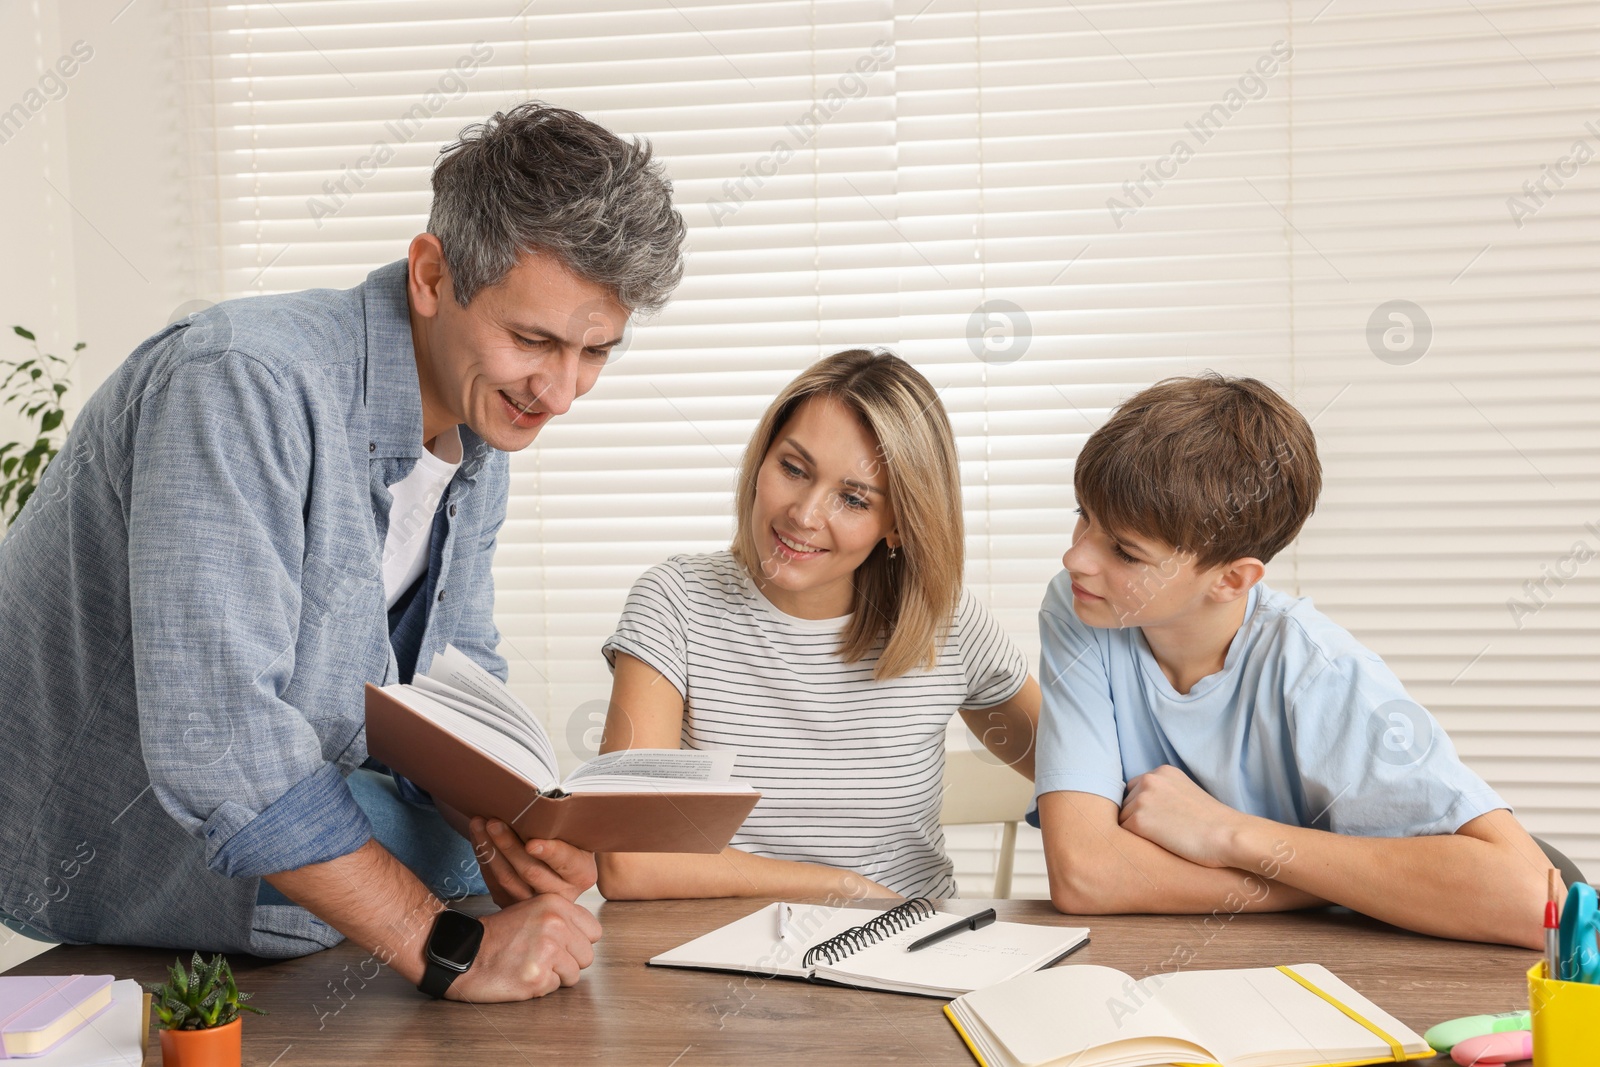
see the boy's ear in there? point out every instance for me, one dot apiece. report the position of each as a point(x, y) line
point(1235, 579)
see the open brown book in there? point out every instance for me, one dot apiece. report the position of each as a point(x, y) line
point(457, 732)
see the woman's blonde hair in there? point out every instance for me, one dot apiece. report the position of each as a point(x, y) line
point(907, 603)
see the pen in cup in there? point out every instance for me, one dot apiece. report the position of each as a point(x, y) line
point(1552, 926)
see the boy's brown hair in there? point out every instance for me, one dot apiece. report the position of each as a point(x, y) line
point(1218, 467)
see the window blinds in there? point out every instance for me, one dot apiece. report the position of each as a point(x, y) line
point(1045, 207)
point(1460, 428)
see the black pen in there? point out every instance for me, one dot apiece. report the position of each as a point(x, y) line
point(971, 922)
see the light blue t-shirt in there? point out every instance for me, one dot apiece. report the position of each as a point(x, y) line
point(1303, 725)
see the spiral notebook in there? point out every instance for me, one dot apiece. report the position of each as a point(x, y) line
point(847, 947)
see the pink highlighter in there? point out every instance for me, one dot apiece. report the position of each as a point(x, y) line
point(1508, 1047)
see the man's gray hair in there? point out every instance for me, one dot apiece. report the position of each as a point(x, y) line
point(545, 179)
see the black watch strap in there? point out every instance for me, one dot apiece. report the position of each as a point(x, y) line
point(436, 978)
point(452, 946)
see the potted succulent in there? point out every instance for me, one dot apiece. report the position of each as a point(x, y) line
point(197, 1013)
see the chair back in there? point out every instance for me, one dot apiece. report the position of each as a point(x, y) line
point(1570, 874)
point(978, 789)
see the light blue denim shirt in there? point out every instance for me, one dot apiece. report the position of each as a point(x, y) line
point(190, 605)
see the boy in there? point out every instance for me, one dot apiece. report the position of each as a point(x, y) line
point(1210, 744)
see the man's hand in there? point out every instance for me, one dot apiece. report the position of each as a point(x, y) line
point(1168, 809)
point(515, 870)
point(530, 948)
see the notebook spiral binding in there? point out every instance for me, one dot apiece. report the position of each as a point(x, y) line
point(857, 938)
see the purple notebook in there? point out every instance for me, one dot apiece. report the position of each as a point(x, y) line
point(37, 1012)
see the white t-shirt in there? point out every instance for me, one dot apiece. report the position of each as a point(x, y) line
point(416, 497)
point(850, 769)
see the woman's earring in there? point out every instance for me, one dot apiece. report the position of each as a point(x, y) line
point(892, 551)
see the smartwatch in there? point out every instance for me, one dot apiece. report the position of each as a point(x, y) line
point(451, 948)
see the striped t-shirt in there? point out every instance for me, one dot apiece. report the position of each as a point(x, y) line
point(850, 769)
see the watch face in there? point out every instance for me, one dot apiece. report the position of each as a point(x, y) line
point(455, 939)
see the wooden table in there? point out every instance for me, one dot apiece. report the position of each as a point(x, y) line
point(334, 1008)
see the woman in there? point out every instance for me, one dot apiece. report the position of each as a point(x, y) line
point(829, 648)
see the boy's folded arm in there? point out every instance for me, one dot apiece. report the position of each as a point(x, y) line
point(1096, 867)
point(1384, 771)
point(1485, 882)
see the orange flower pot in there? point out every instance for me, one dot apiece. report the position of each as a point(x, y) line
point(219, 1046)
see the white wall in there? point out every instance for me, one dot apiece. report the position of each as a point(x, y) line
point(91, 229)
point(124, 155)
point(36, 273)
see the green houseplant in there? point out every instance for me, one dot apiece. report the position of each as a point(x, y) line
point(198, 1014)
point(35, 386)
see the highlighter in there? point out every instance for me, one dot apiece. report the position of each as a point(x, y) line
point(1494, 1048)
point(1447, 1035)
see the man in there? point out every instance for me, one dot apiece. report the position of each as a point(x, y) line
point(267, 506)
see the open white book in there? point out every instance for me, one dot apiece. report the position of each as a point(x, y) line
point(867, 949)
point(473, 704)
point(1087, 1016)
point(459, 733)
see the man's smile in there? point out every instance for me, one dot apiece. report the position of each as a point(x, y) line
point(522, 415)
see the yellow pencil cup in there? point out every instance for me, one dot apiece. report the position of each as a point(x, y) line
point(1566, 1020)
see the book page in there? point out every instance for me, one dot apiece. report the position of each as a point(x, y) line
point(461, 699)
point(621, 783)
point(514, 729)
point(1271, 1018)
point(486, 738)
point(752, 943)
point(1059, 1013)
point(685, 765)
point(969, 960)
point(455, 669)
